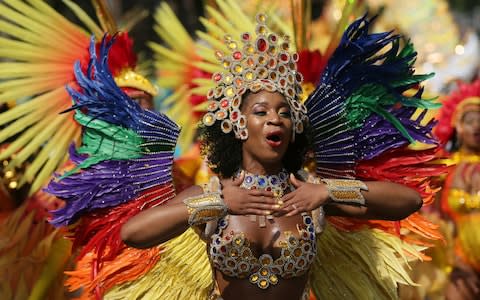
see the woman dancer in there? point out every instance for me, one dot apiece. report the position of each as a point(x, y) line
point(460, 124)
point(254, 135)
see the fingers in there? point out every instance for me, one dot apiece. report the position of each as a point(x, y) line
point(294, 212)
point(288, 197)
point(293, 209)
point(265, 207)
point(262, 197)
point(257, 193)
point(263, 200)
point(296, 183)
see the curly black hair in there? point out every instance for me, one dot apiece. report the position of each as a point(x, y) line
point(224, 151)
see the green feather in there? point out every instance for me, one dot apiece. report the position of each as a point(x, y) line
point(104, 141)
point(374, 98)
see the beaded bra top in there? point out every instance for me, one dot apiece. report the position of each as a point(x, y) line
point(231, 254)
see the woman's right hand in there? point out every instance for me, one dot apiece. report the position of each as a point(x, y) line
point(240, 201)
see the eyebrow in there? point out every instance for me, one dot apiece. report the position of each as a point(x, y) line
point(266, 103)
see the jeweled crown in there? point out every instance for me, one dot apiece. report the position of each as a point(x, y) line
point(261, 63)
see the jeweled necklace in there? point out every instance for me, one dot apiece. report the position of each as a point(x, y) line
point(278, 184)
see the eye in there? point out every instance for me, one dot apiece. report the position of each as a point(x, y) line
point(259, 112)
point(285, 113)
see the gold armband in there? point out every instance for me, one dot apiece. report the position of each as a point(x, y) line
point(206, 207)
point(346, 191)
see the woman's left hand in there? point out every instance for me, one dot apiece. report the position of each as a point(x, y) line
point(305, 198)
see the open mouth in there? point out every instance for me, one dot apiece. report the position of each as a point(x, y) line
point(274, 139)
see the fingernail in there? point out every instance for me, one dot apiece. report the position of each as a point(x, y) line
point(277, 205)
point(280, 202)
point(268, 212)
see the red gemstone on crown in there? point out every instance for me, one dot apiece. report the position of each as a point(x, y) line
point(237, 55)
point(217, 77)
point(224, 103)
point(212, 106)
point(284, 57)
point(246, 36)
point(234, 115)
point(262, 45)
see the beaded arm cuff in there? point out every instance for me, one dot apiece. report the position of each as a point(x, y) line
point(206, 207)
point(346, 191)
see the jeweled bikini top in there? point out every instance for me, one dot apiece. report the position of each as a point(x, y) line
point(231, 254)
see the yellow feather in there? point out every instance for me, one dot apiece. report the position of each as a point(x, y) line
point(206, 53)
point(216, 44)
point(168, 54)
point(167, 65)
point(245, 20)
point(8, 70)
point(367, 264)
point(201, 107)
point(34, 104)
point(19, 88)
point(201, 90)
point(207, 66)
point(223, 22)
point(173, 98)
point(236, 16)
point(213, 29)
point(54, 265)
point(86, 20)
point(52, 146)
point(171, 30)
point(22, 140)
point(203, 81)
point(57, 156)
point(31, 31)
point(47, 131)
point(183, 273)
point(22, 123)
point(49, 18)
point(27, 52)
point(169, 82)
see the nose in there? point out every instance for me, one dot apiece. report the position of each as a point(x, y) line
point(273, 119)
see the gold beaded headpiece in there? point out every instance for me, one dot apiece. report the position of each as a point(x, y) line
point(261, 63)
point(468, 104)
point(132, 79)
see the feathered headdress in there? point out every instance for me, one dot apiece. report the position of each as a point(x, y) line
point(453, 108)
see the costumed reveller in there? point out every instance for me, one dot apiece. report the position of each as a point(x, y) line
point(265, 230)
point(39, 49)
point(459, 129)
